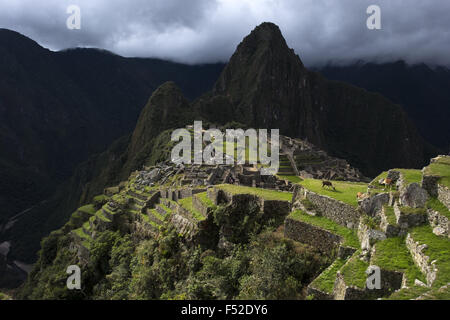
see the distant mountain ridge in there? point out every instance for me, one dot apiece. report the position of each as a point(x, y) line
point(59, 108)
point(422, 91)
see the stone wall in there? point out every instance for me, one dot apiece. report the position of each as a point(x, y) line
point(423, 261)
point(439, 223)
point(344, 292)
point(390, 282)
point(77, 246)
point(444, 195)
point(318, 294)
point(154, 199)
point(314, 236)
point(341, 213)
point(429, 183)
point(408, 220)
point(270, 208)
point(182, 223)
point(200, 206)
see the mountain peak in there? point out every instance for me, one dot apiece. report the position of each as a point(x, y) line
point(267, 31)
point(167, 108)
point(266, 36)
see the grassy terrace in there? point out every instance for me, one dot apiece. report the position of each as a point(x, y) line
point(101, 197)
point(350, 238)
point(4, 296)
point(409, 210)
point(382, 175)
point(438, 249)
point(411, 175)
point(205, 200)
point(79, 232)
point(99, 214)
point(263, 193)
point(345, 191)
point(186, 203)
point(156, 214)
point(325, 281)
point(440, 168)
point(87, 225)
point(166, 209)
point(147, 219)
point(290, 178)
point(86, 240)
point(392, 254)
point(390, 215)
point(89, 209)
point(438, 206)
point(354, 271)
point(408, 293)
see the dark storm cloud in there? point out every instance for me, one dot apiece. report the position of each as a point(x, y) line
point(196, 31)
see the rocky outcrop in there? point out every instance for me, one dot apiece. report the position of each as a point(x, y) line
point(368, 237)
point(430, 183)
point(373, 204)
point(413, 196)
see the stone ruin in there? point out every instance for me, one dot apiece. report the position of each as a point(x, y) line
point(309, 162)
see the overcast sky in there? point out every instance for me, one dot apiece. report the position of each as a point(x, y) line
point(201, 31)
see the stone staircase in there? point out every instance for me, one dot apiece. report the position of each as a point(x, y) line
point(286, 168)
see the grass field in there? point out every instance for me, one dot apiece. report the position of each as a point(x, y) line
point(263, 193)
point(345, 191)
